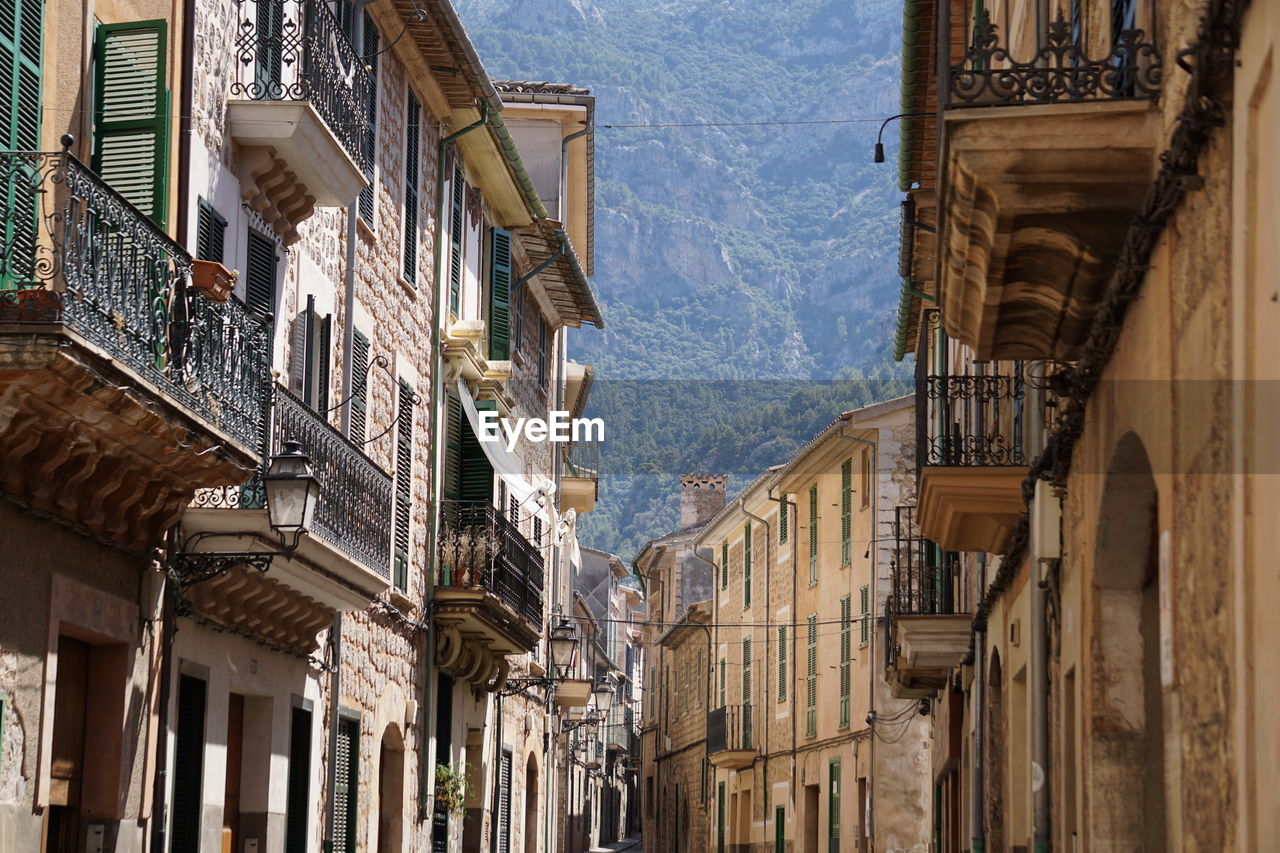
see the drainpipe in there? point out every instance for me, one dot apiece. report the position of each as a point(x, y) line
point(426, 779)
point(1043, 549)
point(768, 538)
point(870, 828)
point(331, 770)
point(564, 170)
point(785, 506)
point(979, 730)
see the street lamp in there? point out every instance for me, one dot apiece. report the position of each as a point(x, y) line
point(604, 695)
point(292, 489)
point(564, 644)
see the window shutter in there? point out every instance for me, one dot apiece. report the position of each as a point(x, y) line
point(499, 294)
point(864, 600)
point(299, 339)
point(211, 233)
point(833, 806)
point(412, 133)
point(260, 278)
point(346, 787)
point(131, 114)
point(724, 565)
point(846, 631)
point(542, 353)
point(404, 484)
point(813, 534)
point(360, 387)
point(504, 803)
point(475, 471)
point(270, 50)
point(784, 519)
point(323, 348)
point(866, 479)
point(720, 818)
point(811, 679)
point(299, 783)
point(846, 511)
point(746, 565)
point(782, 663)
point(188, 763)
point(369, 139)
point(780, 829)
point(723, 691)
point(455, 239)
point(453, 450)
point(21, 38)
point(746, 693)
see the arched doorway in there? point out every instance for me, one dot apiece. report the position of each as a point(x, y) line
point(531, 805)
point(391, 791)
point(1126, 738)
point(994, 759)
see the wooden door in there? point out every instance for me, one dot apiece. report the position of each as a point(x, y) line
point(235, 758)
point(66, 771)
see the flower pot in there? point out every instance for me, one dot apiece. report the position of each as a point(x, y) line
point(212, 279)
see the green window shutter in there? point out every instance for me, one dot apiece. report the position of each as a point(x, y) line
point(455, 239)
point(403, 485)
point(784, 519)
point(833, 806)
point(782, 663)
point(724, 565)
point(188, 763)
point(499, 294)
point(542, 353)
point(260, 275)
point(723, 690)
point(846, 512)
point(360, 387)
point(369, 139)
point(780, 830)
point(746, 693)
point(504, 803)
point(846, 632)
point(811, 679)
point(131, 114)
point(347, 785)
point(269, 56)
point(324, 345)
point(452, 479)
point(746, 565)
point(864, 600)
point(412, 133)
point(298, 798)
point(475, 472)
point(211, 231)
point(21, 40)
point(813, 534)
point(720, 818)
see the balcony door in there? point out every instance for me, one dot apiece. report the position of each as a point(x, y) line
point(468, 473)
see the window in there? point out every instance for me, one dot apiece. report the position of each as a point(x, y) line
point(504, 803)
point(813, 535)
point(779, 829)
point(312, 344)
point(369, 139)
point(359, 418)
point(131, 121)
point(746, 692)
point(846, 631)
point(864, 601)
point(700, 679)
point(866, 479)
point(833, 805)
point(455, 238)
point(724, 565)
point(298, 798)
point(542, 353)
point(499, 294)
point(782, 663)
point(746, 565)
point(846, 511)
point(188, 762)
point(346, 789)
point(412, 135)
point(720, 818)
point(403, 485)
point(211, 231)
point(811, 679)
point(260, 273)
point(723, 691)
point(784, 518)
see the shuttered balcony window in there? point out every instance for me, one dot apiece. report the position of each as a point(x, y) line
point(260, 273)
point(360, 387)
point(811, 679)
point(211, 231)
point(412, 134)
point(499, 294)
point(21, 37)
point(455, 239)
point(403, 485)
point(310, 362)
point(369, 138)
point(846, 654)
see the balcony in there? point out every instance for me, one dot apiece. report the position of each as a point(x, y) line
point(580, 476)
point(488, 583)
point(926, 634)
point(297, 107)
point(729, 743)
point(126, 388)
point(971, 459)
point(343, 562)
point(1050, 146)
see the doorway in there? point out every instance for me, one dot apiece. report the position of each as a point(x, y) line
point(391, 791)
point(811, 800)
point(530, 806)
point(66, 770)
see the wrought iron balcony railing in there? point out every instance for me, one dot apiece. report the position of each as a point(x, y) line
point(480, 548)
point(729, 727)
point(1069, 63)
point(353, 511)
point(296, 50)
point(581, 459)
point(923, 574)
point(74, 251)
point(973, 420)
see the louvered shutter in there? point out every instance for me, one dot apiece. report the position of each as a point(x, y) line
point(475, 472)
point(846, 631)
point(323, 349)
point(784, 519)
point(211, 231)
point(345, 14)
point(724, 565)
point(723, 690)
point(269, 50)
point(813, 534)
point(811, 686)
point(504, 803)
point(455, 240)
point(864, 601)
point(746, 693)
point(746, 565)
point(299, 783)
point(260, 277)
point(360, 386)
point(846, 512)
point(346, 761)
point(304, 356)
point(782, 663)
point(404, 484)
point(21, 37)
point(542, 353)
point(833, 806)
point(188, 763)
point(499, 294)
point(131, 114)
point(453, 451)
point(369, 139)
point(412, 133)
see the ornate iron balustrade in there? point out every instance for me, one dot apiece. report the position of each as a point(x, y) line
point(974, 420)
point(581, 460)
point(295, 50)
point(76, 252)
point(922, 573)
point(729, 727)
point(353, 511)
point(1059, 71)
point(480, 548)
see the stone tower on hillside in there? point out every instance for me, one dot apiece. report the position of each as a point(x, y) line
point(701, 497)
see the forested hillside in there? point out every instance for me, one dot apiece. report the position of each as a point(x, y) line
point(739, 266)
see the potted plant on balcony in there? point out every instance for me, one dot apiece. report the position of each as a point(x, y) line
point(451, 793)
point(213, 280)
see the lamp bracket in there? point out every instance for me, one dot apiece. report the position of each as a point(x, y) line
point(190, 568)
